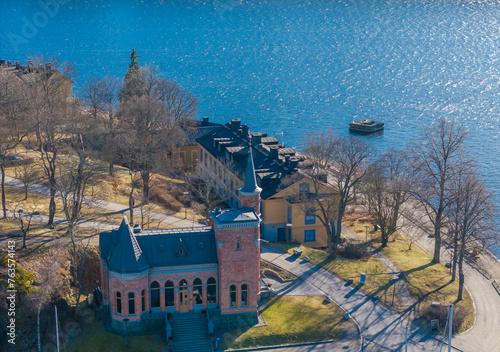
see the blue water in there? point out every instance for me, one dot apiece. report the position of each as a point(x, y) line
point(289, 66)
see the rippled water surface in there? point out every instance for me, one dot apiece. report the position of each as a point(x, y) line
point(292, 67)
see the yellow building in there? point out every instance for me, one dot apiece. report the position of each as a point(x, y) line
point(45, 78)
point(223, 155)
point(188, 151)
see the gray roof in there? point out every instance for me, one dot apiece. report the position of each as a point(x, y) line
point(123, 251)
point(126, 252)
point(250, 186)
point(243, 214)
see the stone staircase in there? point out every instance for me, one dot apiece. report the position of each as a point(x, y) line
point(190, 333)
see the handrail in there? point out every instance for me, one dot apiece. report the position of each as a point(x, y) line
point(210, 328)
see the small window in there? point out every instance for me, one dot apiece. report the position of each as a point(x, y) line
point(118, 302)
point(238, 243)
point(161, 247)
point(201, 244)
point(143, 300)
point(304, 188)
point(182, 155)
point(309, 235)
point(310, 216)
point(244, 294)
point(181, 251)
point(131, 303)
point(232, 295)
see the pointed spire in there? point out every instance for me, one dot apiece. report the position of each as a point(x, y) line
point(250, 187)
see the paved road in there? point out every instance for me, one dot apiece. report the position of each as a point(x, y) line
point(110, 206)
point(378, 324)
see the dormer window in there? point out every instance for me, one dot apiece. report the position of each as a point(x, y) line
point(181, 250)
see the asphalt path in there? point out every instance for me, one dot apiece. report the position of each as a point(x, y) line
point(109, 206)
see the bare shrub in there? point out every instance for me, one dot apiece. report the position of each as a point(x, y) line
point(441, 313)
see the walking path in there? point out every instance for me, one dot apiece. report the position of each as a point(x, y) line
point(378, 324)
point(110, 206)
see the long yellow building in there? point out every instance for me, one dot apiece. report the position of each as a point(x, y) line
point(223, 155)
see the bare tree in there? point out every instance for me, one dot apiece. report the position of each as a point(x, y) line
point(340, 163)
point(13, 122)
point(100, 96)
point(439, 158)
point(24, 218)
point(209, 189)
point(386, 188)
point(75, 174)
point(29, 174)
point(471, 213)
point(50, 95)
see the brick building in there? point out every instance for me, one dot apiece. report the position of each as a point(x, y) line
point(146, 274)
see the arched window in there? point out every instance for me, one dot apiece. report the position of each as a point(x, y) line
point(118, 302)
point(169, 294)
point(183, 297)
point(197, 291)
point(232, 295)
point(155, 294)
point(143, 300)
point(211, 290)
point(131, 303)
point(244, 294)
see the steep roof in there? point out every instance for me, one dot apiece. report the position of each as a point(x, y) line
point(250, 186)
point(127, 252)
point(124, 253)
point(272, 162)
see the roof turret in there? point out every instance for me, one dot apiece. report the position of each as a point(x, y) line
point(250, 187)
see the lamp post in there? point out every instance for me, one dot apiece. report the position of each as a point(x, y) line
point(193, 213)
point(366, 233)
point(126, 330)
point(394, 279)
point(185, 204)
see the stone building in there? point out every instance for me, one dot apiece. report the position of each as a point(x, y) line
point(147, 274)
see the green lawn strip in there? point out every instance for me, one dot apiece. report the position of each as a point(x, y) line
point(94, 338)
point(293, 319)
point(428, 282)
point(285, 275)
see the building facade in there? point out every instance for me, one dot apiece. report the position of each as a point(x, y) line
point(147, 274)
point(281, 172)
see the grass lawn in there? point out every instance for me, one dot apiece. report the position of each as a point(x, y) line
point(377, 281)
point(293, 319)
point(95, 339)
point(428, 282)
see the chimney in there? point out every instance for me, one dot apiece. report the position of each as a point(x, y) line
point(244, 130)
point(273, 151)
point(18, 65)
point(235, 124)
point(204, 122)
point(293, 162)
point(48, 68)
point(2, 62)
point(256, 139)
point(31, 66)
point(9, 63)
point(137, 228)
point(40, 68)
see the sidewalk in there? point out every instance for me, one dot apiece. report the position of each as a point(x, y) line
point(110, 206)
point(377, 323)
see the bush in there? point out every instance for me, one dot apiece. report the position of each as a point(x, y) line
point(353, 251)
point(441, 313)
